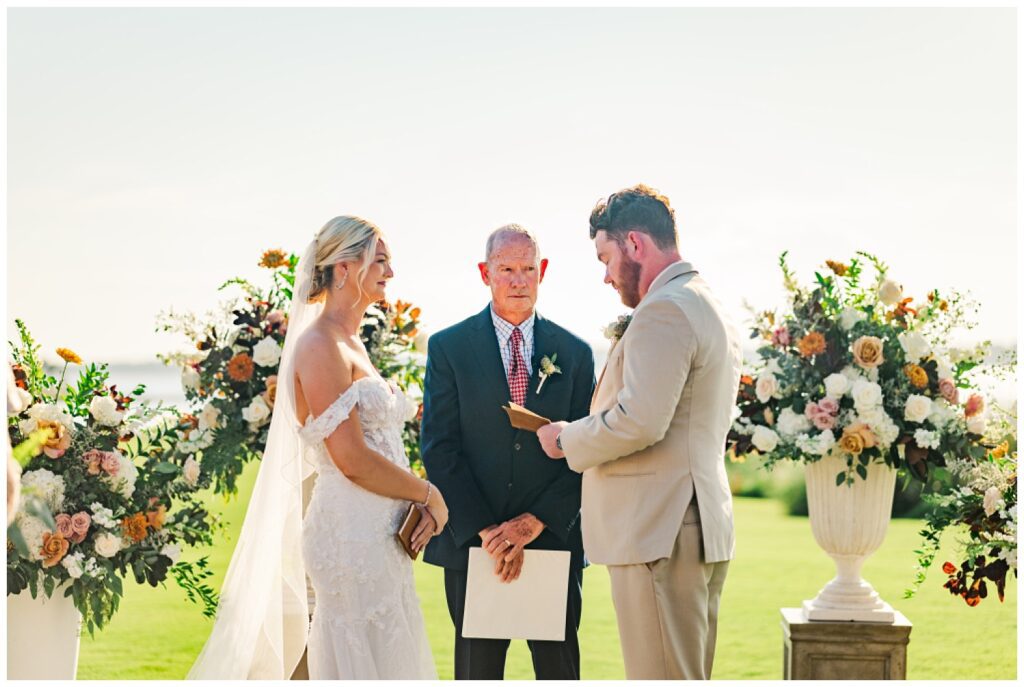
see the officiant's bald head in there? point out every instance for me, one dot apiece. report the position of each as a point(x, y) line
point(513, 269)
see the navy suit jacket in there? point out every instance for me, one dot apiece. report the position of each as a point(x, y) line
point(488, 471)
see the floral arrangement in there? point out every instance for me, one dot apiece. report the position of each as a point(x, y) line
point(864, 373)
point(983, 507)
point(230, 379)
point(104, 494)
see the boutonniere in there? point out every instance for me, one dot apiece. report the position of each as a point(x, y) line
point(548, 368)
point(616, 329)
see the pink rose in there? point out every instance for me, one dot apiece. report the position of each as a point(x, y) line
point(949, 391)
point(811, 410)
point(975, 405)
point(93, 457)
point(824, 421)
point(276, 318)
point(63, 521)
point(80, 526)
point(829, 405)
point(780, 337)
point(110, 464)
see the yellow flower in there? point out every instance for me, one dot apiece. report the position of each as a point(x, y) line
point(916, 374)
point(69, 356)
point(1001, 450)
point(274, 258)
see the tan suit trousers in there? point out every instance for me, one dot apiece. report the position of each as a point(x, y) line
point(667, 610)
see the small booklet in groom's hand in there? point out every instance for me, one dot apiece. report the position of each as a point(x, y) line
point(521, 418)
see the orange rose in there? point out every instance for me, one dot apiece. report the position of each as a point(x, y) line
point(867, 352)
point(54, 548)
point(135, 527)
point(856, 438)
point(59, 441)
point(974, 406)
point(241, 367)
point(270, 395)
point(812, 344)
point(155, 518)
point(916, 374)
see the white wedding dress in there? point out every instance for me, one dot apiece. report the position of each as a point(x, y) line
point(367, 622)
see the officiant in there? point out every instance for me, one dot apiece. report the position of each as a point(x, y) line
point(502, 491)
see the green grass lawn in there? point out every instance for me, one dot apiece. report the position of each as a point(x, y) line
point(157, 633)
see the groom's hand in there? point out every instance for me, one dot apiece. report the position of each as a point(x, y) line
point(548, 435)
point(507, 540)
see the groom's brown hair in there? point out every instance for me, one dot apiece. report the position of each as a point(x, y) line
point(640, 208)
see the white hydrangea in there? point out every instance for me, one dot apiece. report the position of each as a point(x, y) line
point(764, 439)
point(886, 431)
point(917, 409)
point(75, 564)
point(32, 529)
point(196, 440)
point(943, 368)
point(103, 516)
point(914, 345)
point(127, 473)
point(743, 426)
point(851, 316)
point(790, 423)
point(926, 439)
point(267, 352)
point(104, 410)
point(1009, 554)
point(837, 385)
point(866, 395)
point(257, 412)
point(47, 486)
point(93, 569)
point(942, 414)
point(48, 412)
point(851, 373)
point(818, 445)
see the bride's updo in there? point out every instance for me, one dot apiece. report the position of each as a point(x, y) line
point(345, 238)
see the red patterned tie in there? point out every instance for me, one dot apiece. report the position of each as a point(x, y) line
point(517, 377)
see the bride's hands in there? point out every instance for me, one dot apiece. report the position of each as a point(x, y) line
point(438, 509)
point(424, 530)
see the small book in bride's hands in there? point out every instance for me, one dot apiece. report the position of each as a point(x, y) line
point(404, 533)
point(521, 418)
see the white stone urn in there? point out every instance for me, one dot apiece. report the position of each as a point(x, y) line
point(849, 523)
point(42, 636)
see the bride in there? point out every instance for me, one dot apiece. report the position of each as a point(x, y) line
point(335, 415)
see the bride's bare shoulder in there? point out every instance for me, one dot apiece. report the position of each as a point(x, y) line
point(317, 351)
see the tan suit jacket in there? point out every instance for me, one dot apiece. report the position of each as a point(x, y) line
point(657, 428)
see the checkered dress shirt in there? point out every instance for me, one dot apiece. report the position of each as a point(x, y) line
point(503, 330)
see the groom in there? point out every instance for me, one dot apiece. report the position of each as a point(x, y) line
point(502, 491)
point(656, 503)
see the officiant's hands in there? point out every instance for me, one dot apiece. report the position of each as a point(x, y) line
point(505, 542)
point(548, 435)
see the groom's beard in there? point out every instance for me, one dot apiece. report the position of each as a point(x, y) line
point(629, 284)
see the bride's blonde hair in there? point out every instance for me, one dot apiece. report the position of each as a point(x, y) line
point(345, 238)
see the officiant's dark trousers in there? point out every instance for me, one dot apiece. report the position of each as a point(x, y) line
point(484, 659)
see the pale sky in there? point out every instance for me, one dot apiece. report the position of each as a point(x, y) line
point(153, 153)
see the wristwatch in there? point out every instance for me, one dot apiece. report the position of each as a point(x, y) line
point(558, 442)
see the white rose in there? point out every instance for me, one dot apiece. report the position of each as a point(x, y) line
point(73, 564)
point(189, 377)
point(190, 471)
point(790, 423)
point(866, 395)
point(836, 385)
point(267, 352)
point(764, 439)
point(977, 424)
point(172, 551)
point(993, 500)
point(890, 292)
point(851, 316)
point(421, 340)
point(826, 440)
point(917, 409)
point(943, 368)
point(208, 417)
point(104, 411)
point(915, 346)
point(942, 413)
point(257, 412)
point(107, 545)
point(18, 400)
point(766, 387)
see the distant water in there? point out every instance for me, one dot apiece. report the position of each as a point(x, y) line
point(163, 383)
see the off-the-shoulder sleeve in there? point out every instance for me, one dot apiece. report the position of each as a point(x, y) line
point(323, 426)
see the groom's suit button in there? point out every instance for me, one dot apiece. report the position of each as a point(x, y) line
point(509, 485)
point(517, 447)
